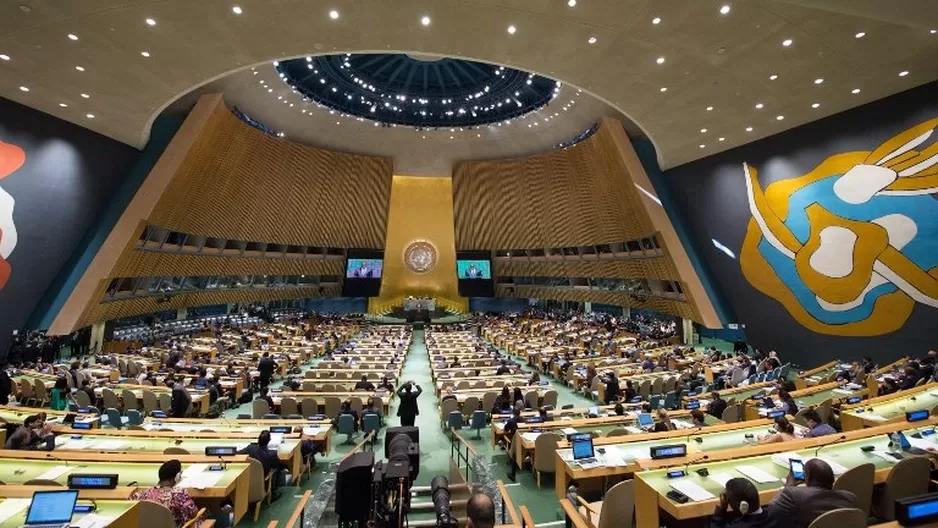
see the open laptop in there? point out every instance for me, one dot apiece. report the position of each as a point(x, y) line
point(645, 420)
point(51, 509)
point(583, 450)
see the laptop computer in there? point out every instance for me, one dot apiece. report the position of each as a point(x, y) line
point(583, 450)
point(645, 420)
point(51, 509)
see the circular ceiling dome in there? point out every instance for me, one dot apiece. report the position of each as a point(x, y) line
point(418, 90)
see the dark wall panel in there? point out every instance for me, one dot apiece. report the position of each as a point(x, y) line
point(711, 195)
point(68, 177)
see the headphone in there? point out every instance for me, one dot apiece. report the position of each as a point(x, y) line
point(743, 507)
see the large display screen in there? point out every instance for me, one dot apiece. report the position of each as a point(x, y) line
point(358, 268)
point(474, 269)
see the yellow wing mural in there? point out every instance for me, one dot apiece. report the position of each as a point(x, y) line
point(850, 248)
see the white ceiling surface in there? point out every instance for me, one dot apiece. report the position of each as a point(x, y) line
point(711, 59)
point(415, 153)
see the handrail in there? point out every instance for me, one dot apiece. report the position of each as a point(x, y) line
point(456, 453)
point(507, 505)
point(273, 524)
point(576, 520)
point(359, 446)
point(526, 520)
point(298, 511)
point(467, 444)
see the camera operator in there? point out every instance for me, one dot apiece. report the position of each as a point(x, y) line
point(480, 511)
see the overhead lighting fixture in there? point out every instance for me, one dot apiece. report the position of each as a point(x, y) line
point(237, 10)
point(779, 117)
point(89, 116)
point(571, 3)
point(748, 129)
point(855, 91)
point(511, 30)
point(85, 96)
point(592, 40)
point(660, 60)
point(934, 31)
point(145, 53)
point(815, 105)
point(903, 73)
point(4, 57)
point(703, 130)
point(725, 9)
point(80, 68)
point(860, 35)
point(709, 108)
point(773, 77)
point(664, 89)
point(787, 42)
point(334, 15)
point(656, 21)
point(759, 105)
point(703, 146)
point(721, 139)
point(818, 80)
point(63, 105)
point(72, 36)
point(24, 89)
point(150, 22)
point(425, 20)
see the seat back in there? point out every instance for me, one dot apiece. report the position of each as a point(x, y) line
point(370, 422)
point(644, 390)
point(657, 385)
point(544, 448)
point(259, 408)
point(908, 478)
point(175, 451)
point(109, 398)
point(800, 419)
point(478, 420)
point(130, 400)
point(309, 407)
point(157, 515)
point(617, 432)
point(346, 424)
point(530, 399)
point(114, 417)
point(618, 506)
point(824, 410)
point(669, 384)
point(257, 489)
point(454, 420)
point(550, 397)
point(82, 399)
point(150, 402)
point(840, 518)
point(40, 390)
point(309, 386)
point(859, 481)
point(327, 387)
point(730, 414)
point(288, 406)
point(333, 406)
point(356, 404)
point(470, 405)
point(448, 406)
point(462, 385)
point(488, 401)
point(166, 401)
point(134, 417)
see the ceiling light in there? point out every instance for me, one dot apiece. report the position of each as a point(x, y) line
point(145, 53)
point(334, 15)
point(511, 30)
point(664, 89)
point(571, 3)
point(709, 108)
point(725, 10)
point(815, 105)
point(24, 89)
point(89, 116)
point(860, 35)
point(759, 105)
point(150, 22)
point(721, 139)
point(63, 105)
point(748, 129)
point(660, 60)
point(773, 77)
point(787, 42)
point(779, 117)
point(703, 130)
point(903, 73)
point(933, 31)
point(85, 96)
point(592, 40)
point(855, 91)
point(703, 146)
point(73, 36)
point(818, 81)
point(656, 21)
point(425, 20)
point(237, 10)
point(4, 57)
point(80, 68)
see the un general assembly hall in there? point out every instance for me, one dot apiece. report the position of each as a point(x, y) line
point(468, 263)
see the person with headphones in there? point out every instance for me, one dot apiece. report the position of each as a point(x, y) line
point(739, 507)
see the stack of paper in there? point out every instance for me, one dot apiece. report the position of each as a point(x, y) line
point(11, 507)
point(842, 391)
point(782, 459)
point(568, 430)
point(275, 440)
point(110, 445)
point(203, 480)
point(92, 520)
point(530, 437)
point(75, 444)
point(54, 473)
point(885, 456)
point(757, 474)
point(311, 430)
point(693, 491)
point(874, 417)
point(720, 478)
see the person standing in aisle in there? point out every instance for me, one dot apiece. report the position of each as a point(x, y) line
point(408, 410)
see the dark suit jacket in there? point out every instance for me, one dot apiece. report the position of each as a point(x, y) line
point(268, 459)
point(717, 407)
point(408, 405)
point(802, 504)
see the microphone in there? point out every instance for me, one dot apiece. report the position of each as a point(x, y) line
point(839, 439)
point(224, 465)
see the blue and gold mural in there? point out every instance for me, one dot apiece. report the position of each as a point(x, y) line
point(851, 247)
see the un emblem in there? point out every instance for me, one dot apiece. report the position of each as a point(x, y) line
point(420, 256)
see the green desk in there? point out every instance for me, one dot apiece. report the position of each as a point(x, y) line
point(123, 514)
point(888, 411)
point(652, 486)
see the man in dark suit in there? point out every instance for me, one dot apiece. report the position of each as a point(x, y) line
point(801, 505)
point(268, 458)
point(717, 406)
point(266, 367)
point(180, 400)
point(408, 410)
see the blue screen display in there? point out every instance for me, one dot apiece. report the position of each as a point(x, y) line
point(583, 448)
point(923, 509)
point(854, 399)
point(473, 269)
point(645, 420)
point(915, 416)
point(693, 405)
point(81, 425)
point(668, 451)
point(52, 507)
point(775, 414)
point(219, 451)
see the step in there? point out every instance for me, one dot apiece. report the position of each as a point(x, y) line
point(417, 490)
point(431, 523)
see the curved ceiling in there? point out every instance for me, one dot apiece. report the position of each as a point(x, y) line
point(689, 73)
point(414, 91)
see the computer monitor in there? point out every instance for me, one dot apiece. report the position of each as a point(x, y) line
point(645, 420)
point(583, 448)
point(593, 411)
point(50, 507)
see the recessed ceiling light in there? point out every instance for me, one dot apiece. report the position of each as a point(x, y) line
point(759, 105)
point(657, 20)
point(703, 146)
point(787, 42)
point(779, 117)
point(933, 31)
point(237, 10)
point(85, 96)
point(145, 53)
point(72, 36)
point(63, 105)
point(855, 91)
point(80, 68)
point(703, 130)
point(860, 35)
point(815, 105)
point(24, 89)
point(511, 30)
point(337, 122)
point(592, 40)
point(4, 57)
point(748, 129)
point(773, 77)
point(725, 10)
point(334, 15)
point(89, 116)
point(150, 22)
point(664, 89)
point(571, 3)
point(660, 60)
point(709, 108)
point(903, 73)
point(818, 80)
point(721, 139)
point(425, 20)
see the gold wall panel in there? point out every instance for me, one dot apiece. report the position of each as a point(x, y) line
point(153, 264)
point(421, 209)
point(667, 306)
point(237, 182)
point(643, 268)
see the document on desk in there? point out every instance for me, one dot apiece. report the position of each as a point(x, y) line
point(568, 430)
point(311, 431)
point(202, 480)
point(613, 457)
point(11, 507)
point(885, 455)
point(530, 437)
point(194, 469)
point(92, 520)
point(835, 467)
point(54, 473)
point(920, 443)
point(693, 491)
point(757, 474)
point(720, 478)
point(112, 445)
point(874, 417)
point(75, 444)
point(842, 391)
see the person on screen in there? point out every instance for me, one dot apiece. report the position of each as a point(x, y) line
point(472, 272)
point(363, 271)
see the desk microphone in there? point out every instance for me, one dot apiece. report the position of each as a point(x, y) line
point(839, 439)
point(224, 465)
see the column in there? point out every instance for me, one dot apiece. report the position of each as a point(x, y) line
point(626, 312)
point(688, 332)
point(181, 314)
point(96, 344)
point(587, 307)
